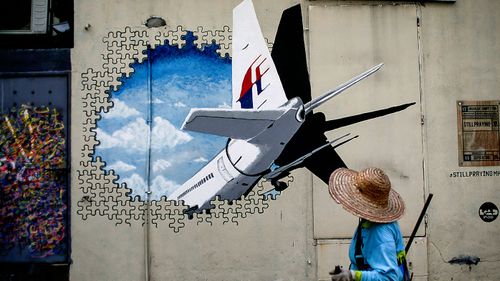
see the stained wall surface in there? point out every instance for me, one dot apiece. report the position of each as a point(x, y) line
point(381, 34)
point(120, 237)
point(435, 55)
point(460, 44)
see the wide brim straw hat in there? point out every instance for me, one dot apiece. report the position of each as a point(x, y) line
point(366, 194)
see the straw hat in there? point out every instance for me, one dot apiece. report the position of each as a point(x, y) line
point(366, 194)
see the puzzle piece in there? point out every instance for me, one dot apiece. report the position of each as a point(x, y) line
point(203, 37)
point(170, 211)
point(225, 39)
point(203, 218)
point(83, 209)
point(220, 211)
point(221, 37)
point(226, 211)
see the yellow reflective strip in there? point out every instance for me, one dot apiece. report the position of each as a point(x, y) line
point(401, 257)
point(357, 275)
point(366, 224)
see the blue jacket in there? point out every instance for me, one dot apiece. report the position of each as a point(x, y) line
point(383, 251)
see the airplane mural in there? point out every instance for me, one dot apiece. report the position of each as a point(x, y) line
point(271, 127)
point(266, 128)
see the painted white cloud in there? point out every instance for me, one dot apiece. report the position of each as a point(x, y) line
point(200, 160)
point(160, 165)
point(166, 134)
point(120, 110)
point(134, 135)
point(121, 166)
point(137, 184)
point(105, 140)
point(158, 101)
point(179, 104)
point(161, 186)
point(224, 105)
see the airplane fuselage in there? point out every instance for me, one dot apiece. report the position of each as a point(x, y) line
point(239, 166)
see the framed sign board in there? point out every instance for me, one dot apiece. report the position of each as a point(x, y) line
point(478, 133)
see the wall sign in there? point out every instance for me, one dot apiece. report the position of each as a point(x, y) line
point(478, 133)
point(488, 212)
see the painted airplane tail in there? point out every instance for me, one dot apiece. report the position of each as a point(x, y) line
point(256, 83)
point(265, 127)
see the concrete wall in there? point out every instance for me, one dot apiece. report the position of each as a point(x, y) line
point(380, 33)
point(460, 44)
point(435, 55)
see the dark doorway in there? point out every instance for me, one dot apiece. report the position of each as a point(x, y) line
point(34, 161)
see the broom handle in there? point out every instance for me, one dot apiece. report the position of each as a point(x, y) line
point(417, 225)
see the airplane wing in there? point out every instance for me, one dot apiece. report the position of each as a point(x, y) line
point(231, 123)
point(255, 80)
point(312, 135)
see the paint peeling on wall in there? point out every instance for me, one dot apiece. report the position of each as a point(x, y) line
point(33, 210)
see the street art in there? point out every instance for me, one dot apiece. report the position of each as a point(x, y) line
point(141, 162)
point(33, 195)
point(162, 89)
point(105, 172)
point(267, 112)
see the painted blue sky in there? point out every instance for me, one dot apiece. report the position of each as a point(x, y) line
point(181, 79)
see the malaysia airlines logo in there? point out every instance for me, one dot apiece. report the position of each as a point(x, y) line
point(246, 94)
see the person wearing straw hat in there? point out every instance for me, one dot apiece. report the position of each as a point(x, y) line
point(377, 248)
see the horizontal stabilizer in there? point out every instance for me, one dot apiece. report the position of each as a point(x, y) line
point(231, 123)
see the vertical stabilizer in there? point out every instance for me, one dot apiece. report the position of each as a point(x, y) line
point(255, 81)
point(289, 55)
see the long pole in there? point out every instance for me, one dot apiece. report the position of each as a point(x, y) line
point(417, 225)
point(149, 121)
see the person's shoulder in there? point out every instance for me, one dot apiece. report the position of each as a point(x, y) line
point(393, 227)
point(385, 232)
point(382, 226)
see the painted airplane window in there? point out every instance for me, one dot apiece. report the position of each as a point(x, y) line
point(33, 210)
point(163, 88)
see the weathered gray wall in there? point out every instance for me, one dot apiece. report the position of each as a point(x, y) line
point(338, 51)
point(460, 47)
point(451, 56)
point(109, 230)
